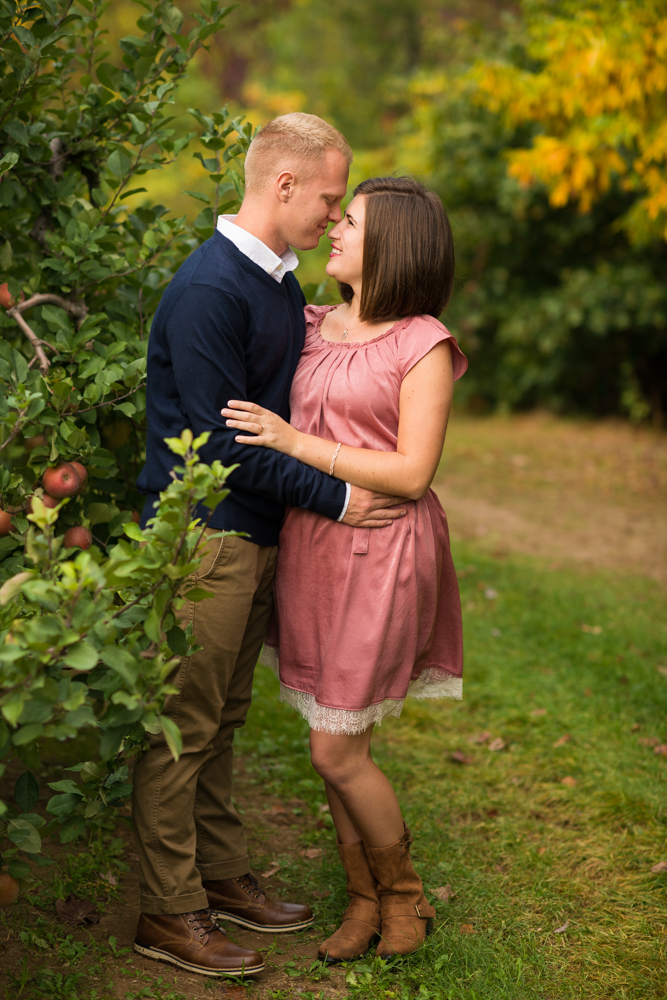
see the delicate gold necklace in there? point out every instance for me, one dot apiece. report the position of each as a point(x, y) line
point(346, 331)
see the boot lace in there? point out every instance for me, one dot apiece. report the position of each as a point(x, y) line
point(250, 885)
point(201, 921)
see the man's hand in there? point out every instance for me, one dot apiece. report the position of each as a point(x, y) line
point(372, 510)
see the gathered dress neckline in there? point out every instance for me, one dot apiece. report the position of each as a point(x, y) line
point(355, 343)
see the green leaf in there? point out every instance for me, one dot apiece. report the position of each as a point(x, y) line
point(26, 791)
point(100, 513)
point(198, 594)
point(81, 656)
point(152, 626)
point(24, 835)
point(18, 869)
point(127, 194)
point(72, 828)
point(199, 196)
point(119, 163)
point(172, 735)
point(133, 530)
point(177, 639)
point(109, 76)
point(8, 161)
point(20, 366)
point(6, 256)
point(62, 805)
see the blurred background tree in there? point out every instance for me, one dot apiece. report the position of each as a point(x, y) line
point(542, 126)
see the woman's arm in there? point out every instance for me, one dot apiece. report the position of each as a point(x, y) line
point(425, 402)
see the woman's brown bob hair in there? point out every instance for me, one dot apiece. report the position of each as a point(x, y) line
point(408, 265)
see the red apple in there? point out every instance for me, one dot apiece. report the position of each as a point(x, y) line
point(5, 523)
point(6, 300)
point(9, 889)
point(34, 442)
point(83, 475)
point(79, 537)
point(136, 517)
point(62, 481)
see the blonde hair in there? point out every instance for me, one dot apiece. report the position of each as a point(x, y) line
point(287, 140)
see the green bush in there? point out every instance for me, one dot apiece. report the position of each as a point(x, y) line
point(88, 639)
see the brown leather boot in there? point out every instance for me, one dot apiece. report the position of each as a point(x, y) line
point(193, 941)
point(407, 916)
point(242, 901)
point(361, 920)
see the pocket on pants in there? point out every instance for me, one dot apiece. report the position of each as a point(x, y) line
point(218, 551)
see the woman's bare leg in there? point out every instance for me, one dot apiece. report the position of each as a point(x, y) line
point(363, 804)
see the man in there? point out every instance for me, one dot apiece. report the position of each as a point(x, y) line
point(231, 326)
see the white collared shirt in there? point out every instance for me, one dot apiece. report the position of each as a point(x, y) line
point(258, 252)
point(276, 266)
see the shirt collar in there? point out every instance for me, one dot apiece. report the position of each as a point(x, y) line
point(258, 252)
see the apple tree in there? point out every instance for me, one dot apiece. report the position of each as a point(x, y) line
point(88, 602)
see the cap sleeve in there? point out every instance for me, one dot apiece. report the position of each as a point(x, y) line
point(313, 316)
point(419, 336)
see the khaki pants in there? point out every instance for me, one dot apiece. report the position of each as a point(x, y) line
point(186, 826)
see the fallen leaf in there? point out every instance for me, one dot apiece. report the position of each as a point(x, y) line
point(569, 781)
point(321, 893)
point(562, 740)
point(539, 711)
point(591, 629)
point(561, 930)
point(660, 867)
point(132, 856)
point(110, 878)
point(635, 726)
point(270, 871)
point(542, 850)
point(480, 738)
point(459, 757)
point(444, 892)
point(538, 929)
point(662, 749)
point(662, 669)
point(76, 911)
point(311, 853)
point(490, 594)
point(467, 929)
point(497, 744)
point(649, 741)
point(324, 808)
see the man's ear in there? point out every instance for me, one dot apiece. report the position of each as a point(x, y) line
point(285, 183)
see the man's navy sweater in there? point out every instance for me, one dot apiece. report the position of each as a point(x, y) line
point(225, 330)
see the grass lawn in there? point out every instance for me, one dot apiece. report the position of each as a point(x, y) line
point(539, 801)
point(547, 842)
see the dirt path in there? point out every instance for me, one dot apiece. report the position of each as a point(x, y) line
point(590, 493)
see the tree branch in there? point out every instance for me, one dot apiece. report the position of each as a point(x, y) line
point(44, 363)
point(18, 426)
point(110, 402)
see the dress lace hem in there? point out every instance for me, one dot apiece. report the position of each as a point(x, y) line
point(432, 683)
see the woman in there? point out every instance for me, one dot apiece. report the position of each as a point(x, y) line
point(366, 615)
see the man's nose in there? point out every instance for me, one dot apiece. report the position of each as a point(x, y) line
point(335, 215)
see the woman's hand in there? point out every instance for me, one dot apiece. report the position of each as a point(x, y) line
point(268, 429)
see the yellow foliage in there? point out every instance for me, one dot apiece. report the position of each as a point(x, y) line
point(601, 98)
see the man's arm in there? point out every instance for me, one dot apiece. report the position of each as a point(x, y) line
point(205, 333)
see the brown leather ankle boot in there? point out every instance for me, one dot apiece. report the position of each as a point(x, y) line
point(361, 920)
point(407, 916)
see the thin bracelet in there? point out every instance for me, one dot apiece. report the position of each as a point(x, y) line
point(333, 460)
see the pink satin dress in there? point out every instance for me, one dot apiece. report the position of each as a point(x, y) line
point(364, 616)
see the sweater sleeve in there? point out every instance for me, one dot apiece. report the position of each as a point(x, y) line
point(205, 335)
